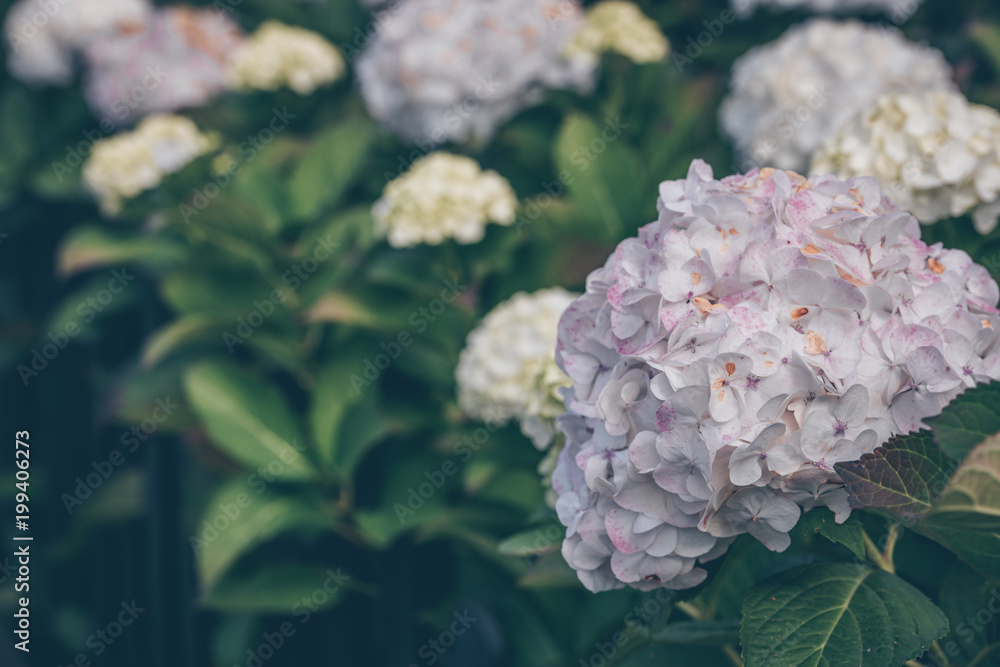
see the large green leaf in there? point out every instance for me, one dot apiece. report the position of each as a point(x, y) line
point(328, 167)
point(837, 615)
point(972, 499)
point(242, 515)
point(968, 420)
point(248, 419)
point(344, 415)
point(601, 172)
point(89, 247)
point(278, 589)
point(964, 593)
point(903, 477)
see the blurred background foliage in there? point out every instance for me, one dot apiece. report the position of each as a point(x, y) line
point(272, 473)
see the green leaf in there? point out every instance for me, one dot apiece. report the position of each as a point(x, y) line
point(89, 247)
point(549, 571)
point(601, 172)
point(968, 420)
point(963, 594)
point(820, 520)
point(837, 614)
point(181, 332)
point(344, 415)
point(698, 633)
point(247, 418)
point(542, 540)
point(240, 517)
point(971, 500)
point(902, 478)
point(978, 549)
point(328, 167)
point(277, 589)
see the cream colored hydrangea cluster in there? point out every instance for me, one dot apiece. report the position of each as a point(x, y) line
point(124, 165)
point(790, 96)
point(935, 153)
point(621, 27)
point(443, 196)
point(508, 366)
point(44, 37)
point(278, 55)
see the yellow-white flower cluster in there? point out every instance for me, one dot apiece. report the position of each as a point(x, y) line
point(124, 165)
point(278, 55)
point(508, 366)
point(619, 26)
point(933, 152)
point(443, 196)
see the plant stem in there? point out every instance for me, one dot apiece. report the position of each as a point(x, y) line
point(733, 656)
point(690, 610)
point(939, 654)
point(876, 556)
point(890, 542)
point(696, 614)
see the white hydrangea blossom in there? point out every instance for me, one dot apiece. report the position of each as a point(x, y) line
point(897, 10)
point(508, 365)
point(619, 26)
point(279, 55)
point(45, 37)
point(443, 196)
point(765, 328)
point(437, 72)
point(124, 165)
point(177, 60)
point(936, 154)
point(791, 95)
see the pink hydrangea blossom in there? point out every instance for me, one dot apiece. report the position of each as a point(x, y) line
point(763, 329)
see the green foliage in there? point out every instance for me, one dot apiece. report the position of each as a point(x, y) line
point(969, 419)
point(837, 614)
point(903, 477)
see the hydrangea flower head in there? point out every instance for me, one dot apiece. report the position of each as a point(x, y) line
point(437, 72)
point(44, 38)
point(279, 55)
point(765, 328)
point(443, 196)
point(791, 95)
point(508, 366)
point(124, 165)
point(934, 152)
point(897, 10)
point(620, 26)
point(177, 60)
